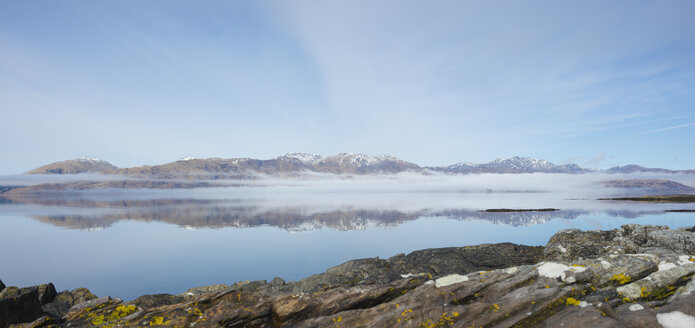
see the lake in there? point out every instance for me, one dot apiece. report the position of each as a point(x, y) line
point(126, 244)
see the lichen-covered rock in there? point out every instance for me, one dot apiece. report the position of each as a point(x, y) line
point(102, 312)
point(574, 244)
point(81, 295)
point(64, 297)
point(90, 305)
point(11, 291)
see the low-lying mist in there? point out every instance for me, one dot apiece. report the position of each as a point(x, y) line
point(312, 192)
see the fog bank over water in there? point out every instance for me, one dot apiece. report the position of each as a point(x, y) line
point(578, 184)
point(327, 200)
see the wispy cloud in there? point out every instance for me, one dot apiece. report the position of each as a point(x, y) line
point(596, 159)
point(670, 128)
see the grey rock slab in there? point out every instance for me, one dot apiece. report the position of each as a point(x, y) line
point(156, 300)
point(203, 290)
point(659, 284)
point(94, 303)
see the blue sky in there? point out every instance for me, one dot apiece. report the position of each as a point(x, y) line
point(595, 83)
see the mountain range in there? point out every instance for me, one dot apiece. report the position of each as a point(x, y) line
point(342, 163)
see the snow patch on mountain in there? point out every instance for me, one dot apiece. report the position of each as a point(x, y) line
point(361, 160)
point(87, 159)
point(302, 157)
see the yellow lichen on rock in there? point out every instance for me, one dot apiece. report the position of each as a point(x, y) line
point(644, 293)
point(572, 301)
point(621, 278)
point(444, 320)
point(98, 320)
point(155, 321)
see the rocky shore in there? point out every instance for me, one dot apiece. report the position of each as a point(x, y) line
point(635, 276)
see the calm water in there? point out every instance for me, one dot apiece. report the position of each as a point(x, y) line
point(166, 243)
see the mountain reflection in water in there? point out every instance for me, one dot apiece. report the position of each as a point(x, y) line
point(194, 213)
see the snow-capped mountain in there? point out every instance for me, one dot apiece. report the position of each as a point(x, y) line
point(512, 165)
point(305, 158)
point(363, 164)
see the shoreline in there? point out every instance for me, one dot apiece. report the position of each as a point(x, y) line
point(562, 282)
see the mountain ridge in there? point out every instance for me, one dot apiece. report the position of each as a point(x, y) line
point(341, 163)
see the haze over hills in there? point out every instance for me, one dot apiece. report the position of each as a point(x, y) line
point(342, 163)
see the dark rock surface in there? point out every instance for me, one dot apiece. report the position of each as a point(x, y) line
point(635, 276)
point(2, 286)
point(60, 305)
point(47, 292)
point(38, 306)
point(19, 305)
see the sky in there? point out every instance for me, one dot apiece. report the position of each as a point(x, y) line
point(595, 83)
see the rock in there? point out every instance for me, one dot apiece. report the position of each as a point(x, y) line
point(277, 281)
point(443, 261)
point(659, 284)
point(348, 273)
point(81, 295)
point(433, 262)
point(44, 321)
point(157, 300)
point(573, 244)
point(290, 309)
point(19, 305)
point(103, 312)
point(60, 305)
point(46, 293)
point(64, 297)
point(197, 291)
point(9, 292)
point(80, 309)
point(2, 286)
